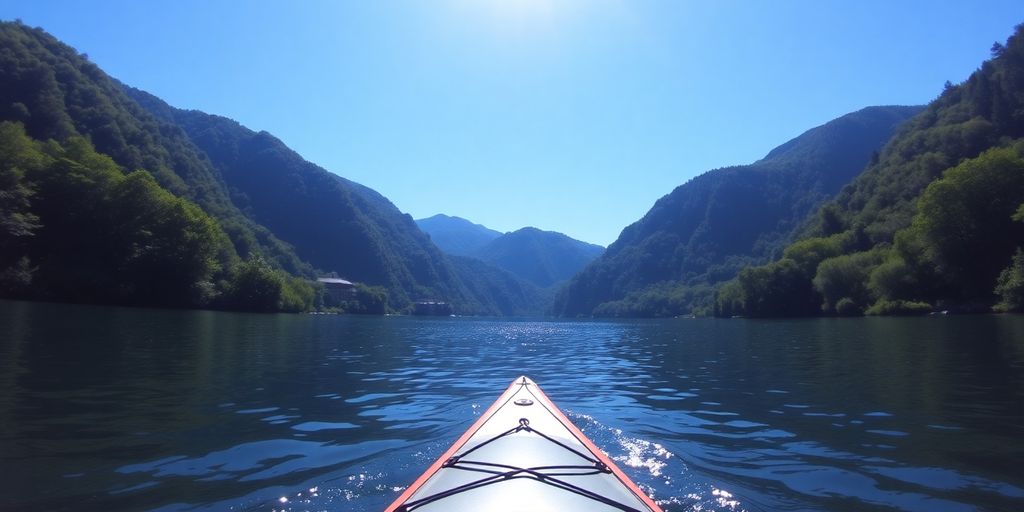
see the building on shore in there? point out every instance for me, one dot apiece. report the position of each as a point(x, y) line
point(338, 289)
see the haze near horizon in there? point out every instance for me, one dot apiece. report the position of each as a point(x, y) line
point(567, 116)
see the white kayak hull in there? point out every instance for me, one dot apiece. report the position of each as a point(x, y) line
point(523, 454)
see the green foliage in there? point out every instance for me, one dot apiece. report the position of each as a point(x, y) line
point(15, 219)
point(103, 236)
point(780, 288)
point(666, 299)
point(255, 285)
point(707, 230)
point(1010, 285)
point(844, 278)
point(899, 307)
point(369, 300)
point(297, 294)
point(17, 222)
point(1019, 214)
point(807, 254)
point(931, 221)
point(965, 221)
point(730, 300)
point(99, 235)
point(57, 94)
point(894, 278)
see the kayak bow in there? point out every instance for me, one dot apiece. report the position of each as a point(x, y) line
point(523, 454)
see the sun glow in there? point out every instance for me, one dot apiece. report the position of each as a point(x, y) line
point(515, 17)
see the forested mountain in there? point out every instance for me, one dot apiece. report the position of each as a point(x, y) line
point(934, 222)
point(251, 192)
point(333, 223)
point(455, 235)
point(543, 258)
point(101, 202)
point(56, 93)
point(502, 290)
point(709, 228)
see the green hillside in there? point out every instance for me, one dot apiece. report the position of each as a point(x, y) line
point(544, 258)
point(709, 228)
point(933, 223)
point(56, 93)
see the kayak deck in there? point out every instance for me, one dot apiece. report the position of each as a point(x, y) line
point(523, 454)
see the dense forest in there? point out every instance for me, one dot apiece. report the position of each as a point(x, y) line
point(704, 232)
point(103, 204)
point(936, 222)
point(273, 221)
point(76, 227)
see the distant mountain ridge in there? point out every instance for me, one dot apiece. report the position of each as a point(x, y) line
point(455, 235)
point(709, 228)
point(543, 258)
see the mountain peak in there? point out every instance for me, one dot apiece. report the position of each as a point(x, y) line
point(455, 235)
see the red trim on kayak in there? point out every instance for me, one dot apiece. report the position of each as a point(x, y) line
point(455, 447)
point(595, 450)
point(548, 404)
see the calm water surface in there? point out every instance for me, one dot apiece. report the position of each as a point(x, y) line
point(122, 409)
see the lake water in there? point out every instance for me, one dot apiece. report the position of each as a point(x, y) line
point(124, 409)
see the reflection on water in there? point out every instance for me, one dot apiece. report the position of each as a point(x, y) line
point(175, 410)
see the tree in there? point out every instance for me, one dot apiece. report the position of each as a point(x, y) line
point(965, 223)
point(255, 286)
point(1010, 285)
point(17, 222)
point(845, 279)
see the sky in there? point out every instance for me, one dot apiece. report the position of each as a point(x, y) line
point(572, 116)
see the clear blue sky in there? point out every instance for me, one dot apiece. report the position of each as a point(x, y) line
point(573, 116)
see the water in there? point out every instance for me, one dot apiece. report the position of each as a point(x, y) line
point(122, 409)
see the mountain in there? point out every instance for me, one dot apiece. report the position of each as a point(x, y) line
point(543, 258)
point(269, 211)
point(933, 223)
point(455, 235)
point(56, 93)
point(335, 224)
point(502, 290)
point(103, 203)
point(707, 229)
point(341, 226)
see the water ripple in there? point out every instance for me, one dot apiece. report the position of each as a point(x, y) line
point(284, 412)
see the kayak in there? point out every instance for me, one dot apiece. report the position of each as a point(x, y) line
point(523, 454)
